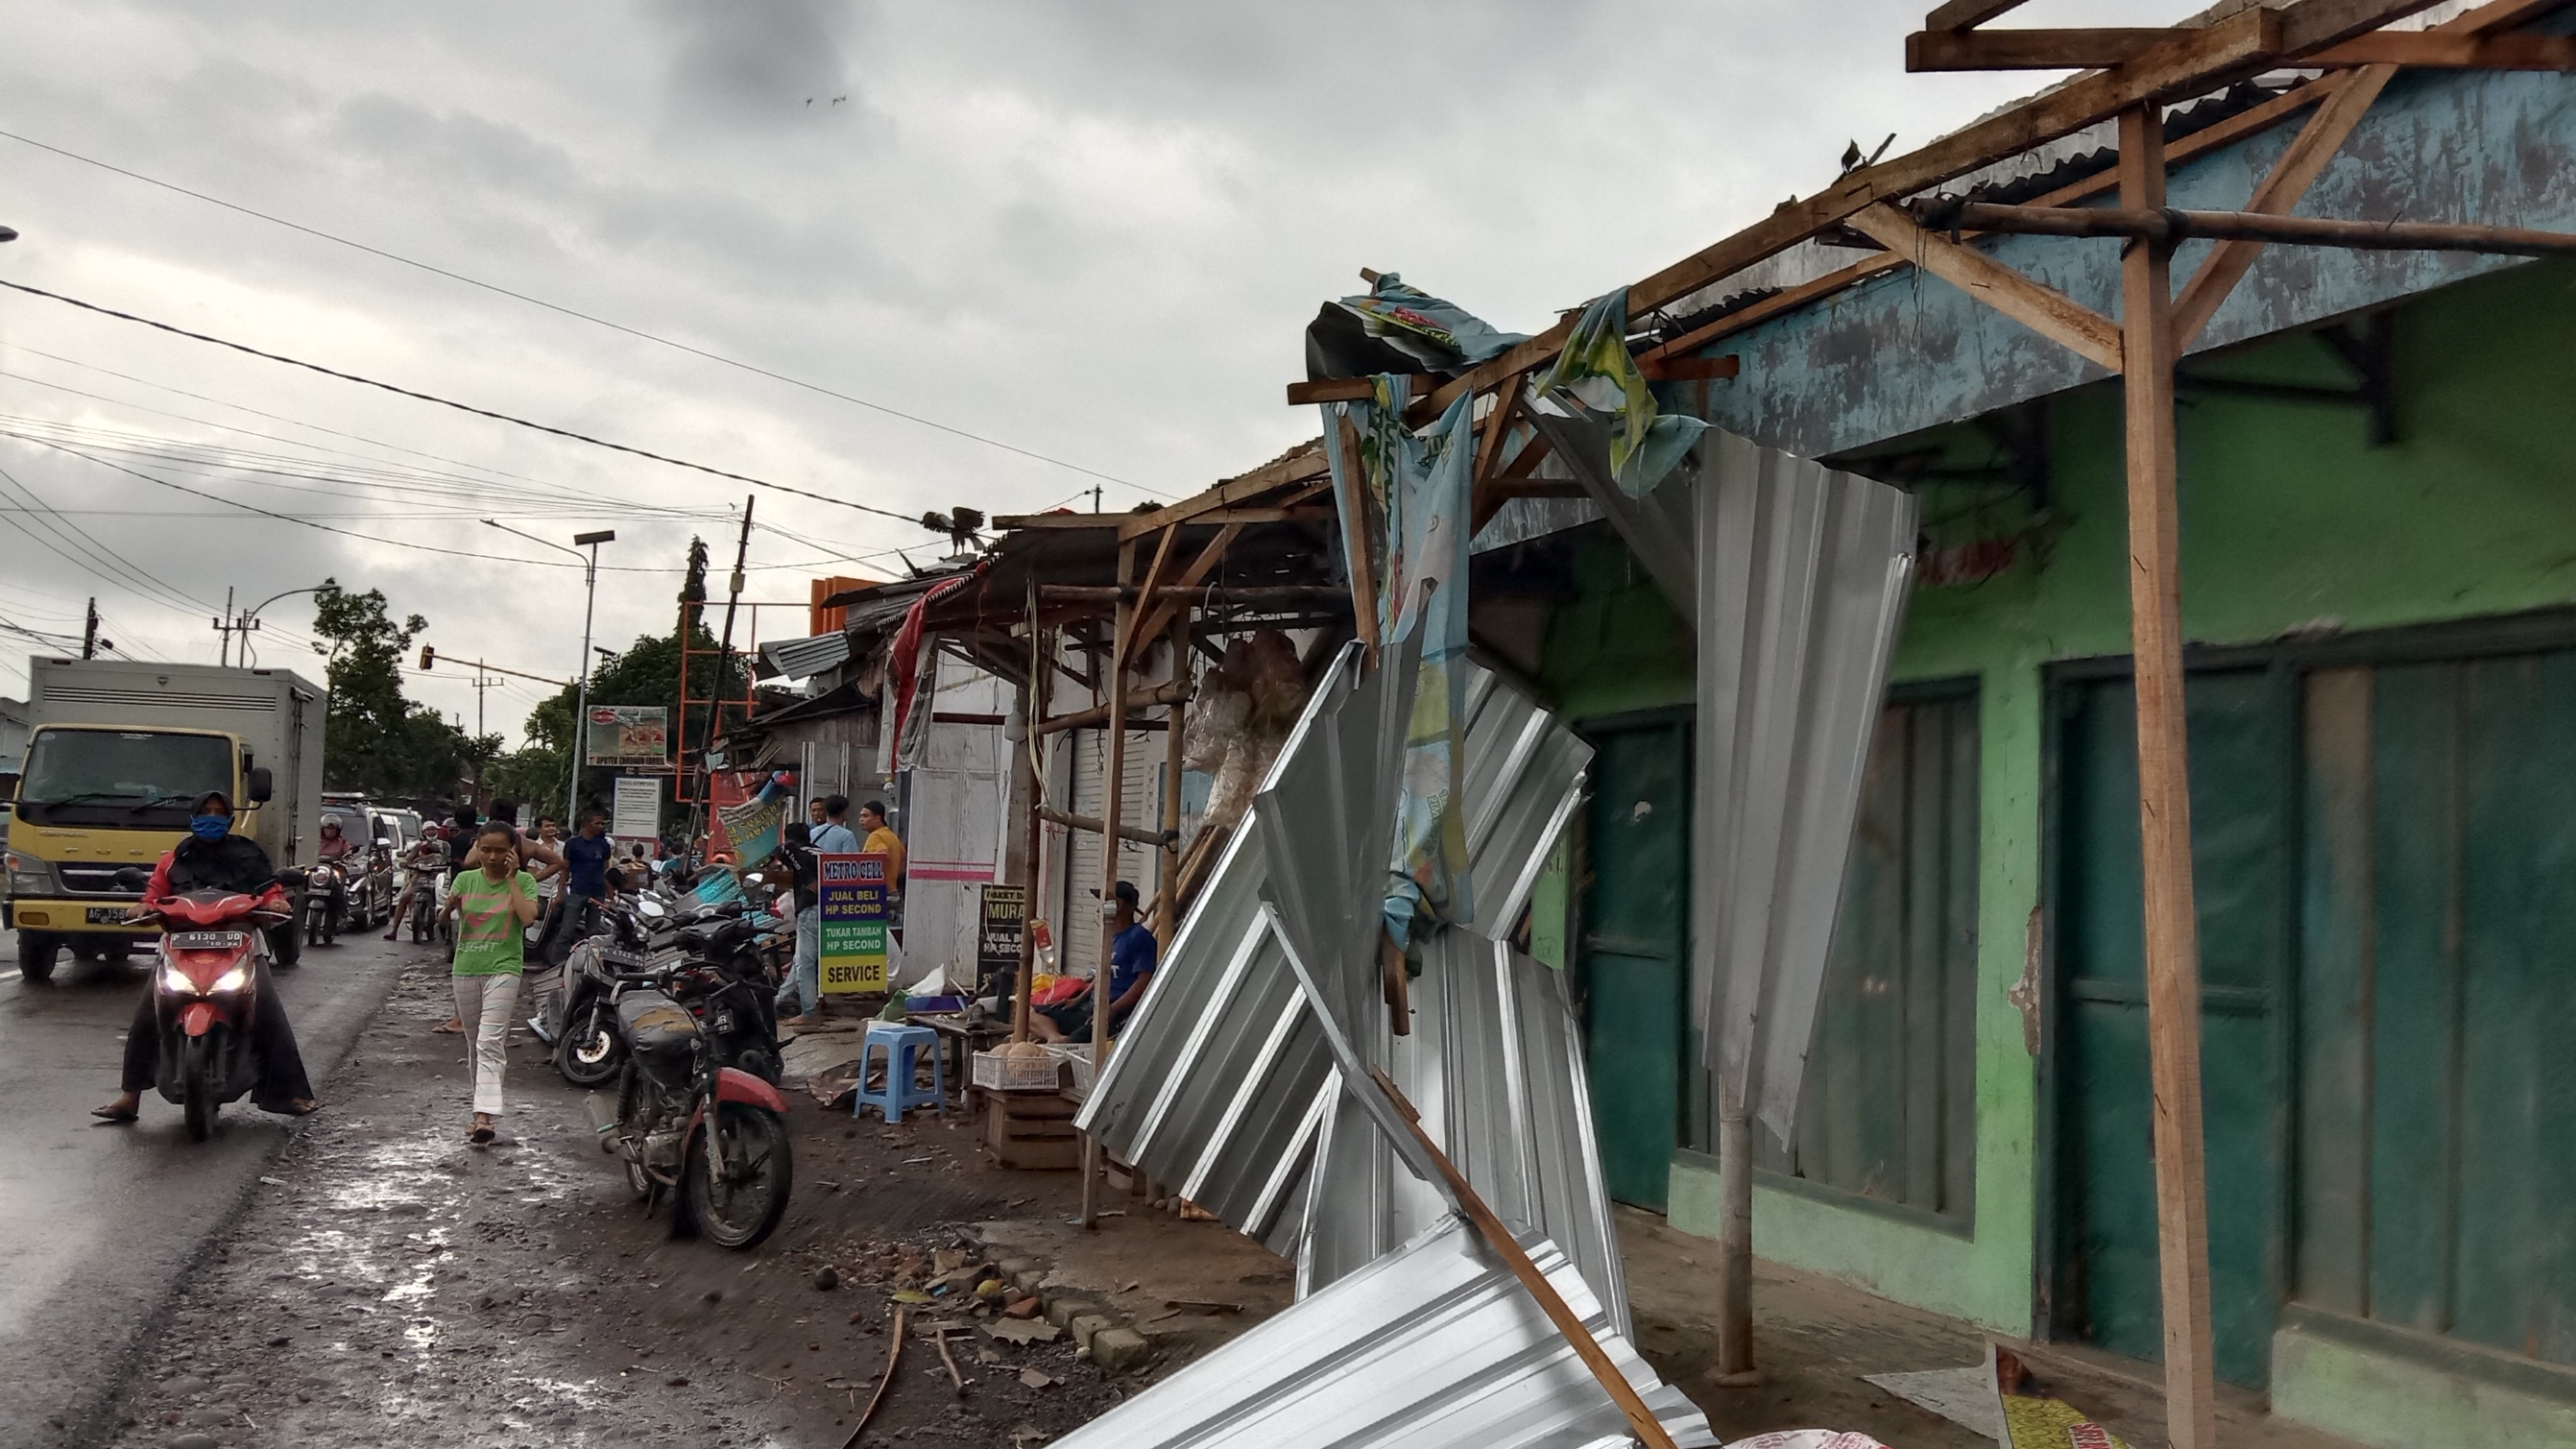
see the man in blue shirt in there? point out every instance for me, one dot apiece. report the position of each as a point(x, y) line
point(1131, 969)
point(585, 885)
point(834, 837)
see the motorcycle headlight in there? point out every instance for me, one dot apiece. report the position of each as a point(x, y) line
point(234, 980)
point(175, 980)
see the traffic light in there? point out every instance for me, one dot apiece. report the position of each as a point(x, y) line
point(428, 657)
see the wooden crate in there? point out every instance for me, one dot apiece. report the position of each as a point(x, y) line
point(1032, 1131)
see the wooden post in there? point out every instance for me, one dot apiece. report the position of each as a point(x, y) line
point(1113, 795)
point(2164, 796)
point(1169, 923)
point(1041, 685)
point(1735, 1368)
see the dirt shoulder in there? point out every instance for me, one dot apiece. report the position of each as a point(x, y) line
point(391, 1285)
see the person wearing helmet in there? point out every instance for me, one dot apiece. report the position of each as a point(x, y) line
point(213, 858)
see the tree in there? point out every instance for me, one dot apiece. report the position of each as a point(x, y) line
point(378, 741)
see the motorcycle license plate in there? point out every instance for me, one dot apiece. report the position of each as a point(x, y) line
point(205, 940)
point(108, 915)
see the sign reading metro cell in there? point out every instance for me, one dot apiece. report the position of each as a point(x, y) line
point(852, 911)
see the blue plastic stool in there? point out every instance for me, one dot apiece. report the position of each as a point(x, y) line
point(903, 1045)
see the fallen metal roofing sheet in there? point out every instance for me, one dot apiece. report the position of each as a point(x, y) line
point(1495, 1066)
point(1657, 527)
point(1223, 1083)
point(1435, 1344)
point(1802, 579)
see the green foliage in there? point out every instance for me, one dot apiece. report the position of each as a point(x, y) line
point(379, 741)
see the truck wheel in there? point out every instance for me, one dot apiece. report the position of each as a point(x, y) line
point(286, 943)
point(36, 954)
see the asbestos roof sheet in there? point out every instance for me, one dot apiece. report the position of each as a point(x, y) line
point(1431, 1346)
point(804, 658)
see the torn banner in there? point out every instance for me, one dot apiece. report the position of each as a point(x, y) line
point(1410, 492)
point(1597, 371)
point(1396, 328)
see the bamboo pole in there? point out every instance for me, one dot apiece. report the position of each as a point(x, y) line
point(1168, 921)
point(1113, 793)
point(2164, 795)
point(2169, 228)
point(1041, 645)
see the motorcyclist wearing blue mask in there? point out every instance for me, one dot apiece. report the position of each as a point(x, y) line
point(212, 858)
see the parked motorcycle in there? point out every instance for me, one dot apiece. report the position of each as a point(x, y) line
point(713, 1135)
point(580, 1017)
point(214, 945)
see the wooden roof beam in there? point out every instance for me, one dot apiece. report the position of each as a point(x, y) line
point(2185, 63)
point(1946, 50)
point(2044, 310)
point(1967, 14)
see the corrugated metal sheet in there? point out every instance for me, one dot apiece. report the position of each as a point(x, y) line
point(1802, 579)
point(1223, 1085)
point(803, 658)
point(1656, 528)
point(1433, 1345)
point(1495, 1065)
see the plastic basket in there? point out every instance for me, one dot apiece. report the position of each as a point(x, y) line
point(997, 1073)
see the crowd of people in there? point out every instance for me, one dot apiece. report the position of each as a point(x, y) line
point(520, 899)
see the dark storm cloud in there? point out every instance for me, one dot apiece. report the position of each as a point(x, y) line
point(1092, 229)
point(761, 65)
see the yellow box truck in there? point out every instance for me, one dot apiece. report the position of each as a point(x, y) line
point(117, 751)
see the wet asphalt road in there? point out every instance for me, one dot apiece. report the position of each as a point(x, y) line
point(103, 1224)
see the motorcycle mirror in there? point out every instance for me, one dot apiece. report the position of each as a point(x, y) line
point(132, 878)
point(291, 876)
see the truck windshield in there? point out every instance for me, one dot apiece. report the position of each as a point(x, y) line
point(142, 778)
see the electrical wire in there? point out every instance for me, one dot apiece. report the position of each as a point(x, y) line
point(498, 290)
point(479, 412)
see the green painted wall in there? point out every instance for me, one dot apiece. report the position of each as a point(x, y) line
point(2290, 522)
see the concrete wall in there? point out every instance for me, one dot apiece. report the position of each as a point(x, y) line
point(2289, 522)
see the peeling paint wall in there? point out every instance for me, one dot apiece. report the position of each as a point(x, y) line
point(2290, 521)
point(1906, 351)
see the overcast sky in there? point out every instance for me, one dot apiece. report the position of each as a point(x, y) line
point(1093, 231)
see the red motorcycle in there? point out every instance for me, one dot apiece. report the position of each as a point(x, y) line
point(214, 945)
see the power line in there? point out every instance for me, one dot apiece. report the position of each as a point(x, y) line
point(579, 315)
point(451, 403)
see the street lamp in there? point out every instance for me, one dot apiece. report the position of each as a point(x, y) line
point(581, 696)
point(248, 619)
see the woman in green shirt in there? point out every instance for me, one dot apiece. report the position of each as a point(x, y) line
point(493, 903)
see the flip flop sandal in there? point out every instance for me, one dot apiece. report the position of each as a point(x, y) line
point(447, 1028)
point(481, 1136)
point(110, 1114)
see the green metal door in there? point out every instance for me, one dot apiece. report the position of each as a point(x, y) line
point(1634, 947)
point(2105, 1281)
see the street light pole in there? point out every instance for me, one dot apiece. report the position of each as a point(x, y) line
point(581, 692)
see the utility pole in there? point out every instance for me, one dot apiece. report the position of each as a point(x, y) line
point(705, 803)
point(89, 631)
point(581, 702)
point(481, 683)
point(225, 627)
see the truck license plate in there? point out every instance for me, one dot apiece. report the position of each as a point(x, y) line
point(205, 940)
point(107, 915)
